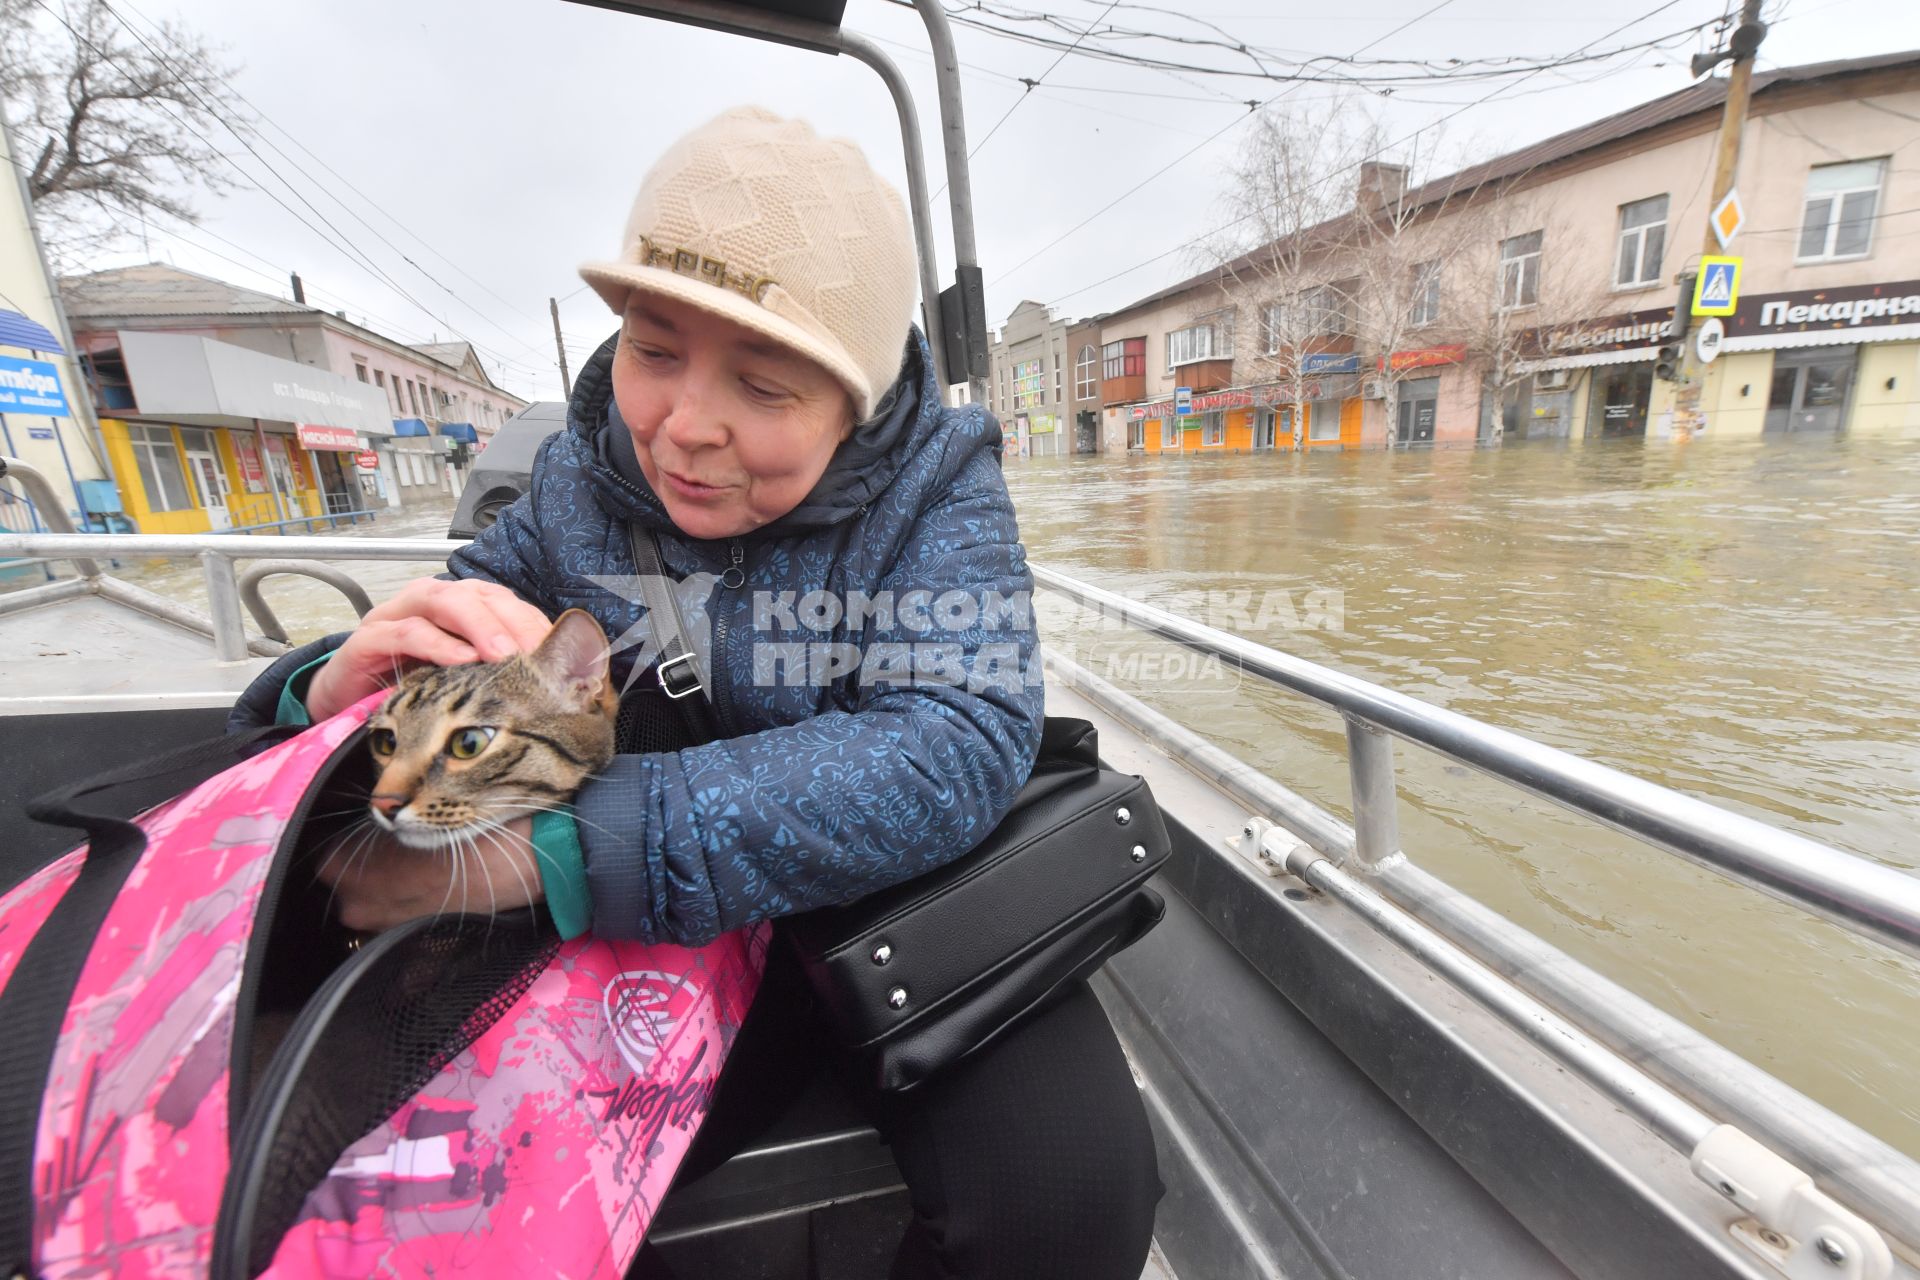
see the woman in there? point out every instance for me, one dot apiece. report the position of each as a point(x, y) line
point(768, 412)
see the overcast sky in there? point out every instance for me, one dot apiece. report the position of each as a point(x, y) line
point(501, 141)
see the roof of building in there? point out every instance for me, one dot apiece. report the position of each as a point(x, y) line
point(154, 289)
point(1706, 95)
point(157, 291)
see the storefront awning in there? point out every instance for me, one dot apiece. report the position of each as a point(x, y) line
point(1823, 337)
point(1588, 360)
point(18, 331)
point(410, 427)
point(199, 381)
point(460, 431)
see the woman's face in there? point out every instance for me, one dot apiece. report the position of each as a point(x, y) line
point(731, 429)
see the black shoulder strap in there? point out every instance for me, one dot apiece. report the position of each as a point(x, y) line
point(34, 1005)
point(678, 670)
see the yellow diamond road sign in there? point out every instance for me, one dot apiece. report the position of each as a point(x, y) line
point(1728, 217)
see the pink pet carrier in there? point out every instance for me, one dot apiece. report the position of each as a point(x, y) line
point(462, 1094)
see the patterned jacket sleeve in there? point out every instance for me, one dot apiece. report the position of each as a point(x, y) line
point(895, 781)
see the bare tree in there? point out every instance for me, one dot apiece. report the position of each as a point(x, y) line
point(112, 125)
point(1293, 253)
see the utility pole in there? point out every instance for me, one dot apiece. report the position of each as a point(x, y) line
point(566, 383)
point(1688, 417)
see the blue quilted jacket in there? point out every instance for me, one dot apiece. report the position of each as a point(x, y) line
point(860, 747)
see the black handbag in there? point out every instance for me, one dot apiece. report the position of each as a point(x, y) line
point(918, 976)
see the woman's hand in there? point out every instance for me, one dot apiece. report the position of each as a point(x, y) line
point(379, 882)
point(430, 620)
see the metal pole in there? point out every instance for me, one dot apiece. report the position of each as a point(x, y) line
point(223, 600)
point(566, 382)
point(868, 52)
point(1376, 824)
point(1688, 416)
point(953, 129)
point(46, 504)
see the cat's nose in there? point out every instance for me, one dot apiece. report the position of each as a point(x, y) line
point(386, 806)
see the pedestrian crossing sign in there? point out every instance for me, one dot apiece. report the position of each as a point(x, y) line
point(1717, 291)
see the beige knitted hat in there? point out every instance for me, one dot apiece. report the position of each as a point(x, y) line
point(762, 221)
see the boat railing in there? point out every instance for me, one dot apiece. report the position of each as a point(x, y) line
point(1677, 1082)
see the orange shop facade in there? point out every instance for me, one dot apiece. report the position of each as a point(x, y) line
point(1251, 419)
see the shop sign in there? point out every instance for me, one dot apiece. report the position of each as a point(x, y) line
point(313, 436)
point(1330, 363)
point(39, 433)
point(1716, 290)
point(1611, 333)
point(1043, 424)
point(31, 386)
point(1452, 353)
point(1865, 304)
point(1209, 403)
point(367, 460)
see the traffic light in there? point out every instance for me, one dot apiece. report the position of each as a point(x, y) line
point(1666, 362)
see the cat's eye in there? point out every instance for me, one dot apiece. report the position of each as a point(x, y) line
point(383, 742)
point(465, 744)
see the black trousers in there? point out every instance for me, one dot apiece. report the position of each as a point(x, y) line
point(1032, 1160)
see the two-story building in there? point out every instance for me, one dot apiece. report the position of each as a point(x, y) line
point(1529, 295)
point(437, 399)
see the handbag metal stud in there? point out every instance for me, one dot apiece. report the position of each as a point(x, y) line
point(1123, 815)
point(897, 998)
point(884, 953)
point(1139, 853)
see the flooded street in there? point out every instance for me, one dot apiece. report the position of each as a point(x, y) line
point(1736, 619)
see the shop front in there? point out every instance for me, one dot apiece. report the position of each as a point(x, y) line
point(217, 437)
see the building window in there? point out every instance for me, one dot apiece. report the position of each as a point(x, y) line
point(1643, 242)
point(1841, 203)
point(1058, 385)
point(1330, 308)
point(360, 369)
point(1323, 420)
point(1426, 295)
point(1169, 432)
point(413, 396)
point(1086, 370)
point(1126, 358)
point(1274, 321)
point(160, 471)
point(1520, 271)
point(1136, 435)
point(1213, 429)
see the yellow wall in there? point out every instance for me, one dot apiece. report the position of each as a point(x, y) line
point(1728, 412)
point(1876, 407)
point(1240, 430)
point(243, 508)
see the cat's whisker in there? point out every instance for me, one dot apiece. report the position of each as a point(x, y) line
point(494, 830)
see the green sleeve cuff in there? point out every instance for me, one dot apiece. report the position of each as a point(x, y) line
point(293, 694)
point(563, 872)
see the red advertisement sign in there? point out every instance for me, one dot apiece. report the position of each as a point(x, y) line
point(252, 471)
point(1452, 353)
point(313, 436)
point(367, 460)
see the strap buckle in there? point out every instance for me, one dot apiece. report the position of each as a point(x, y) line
point(678, 677)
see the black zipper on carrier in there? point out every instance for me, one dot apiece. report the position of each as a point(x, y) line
point(252, 1137)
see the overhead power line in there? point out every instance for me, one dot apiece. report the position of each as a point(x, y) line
point(1197, 147)
point(1481, 101)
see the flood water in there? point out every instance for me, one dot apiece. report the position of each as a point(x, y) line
point(1736, 619)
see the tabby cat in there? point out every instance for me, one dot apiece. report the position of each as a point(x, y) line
point(454, 755)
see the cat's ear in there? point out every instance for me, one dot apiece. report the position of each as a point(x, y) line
point(574, 655)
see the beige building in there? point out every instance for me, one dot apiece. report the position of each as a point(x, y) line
point(1531, 295)
point(1044, 384)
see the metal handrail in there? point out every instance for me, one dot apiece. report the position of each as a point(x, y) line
point(1869, 899)
point(48, 510)
point(263, 615)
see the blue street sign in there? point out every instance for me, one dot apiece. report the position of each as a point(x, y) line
point(31, 386)
point(1183, 400)
point(1330, 364)
point(1717, 291)
point(39, 433)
